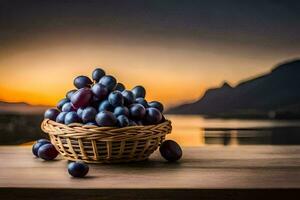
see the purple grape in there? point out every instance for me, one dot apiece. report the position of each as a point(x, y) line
point(81, 98)
point(121, 110)
point(122, 121)
point(95, 102)
point(37, 145)
point(106, 118)
point(139, 91)
point(51, 114)
point(72, 117)
point(120, 87)
point(61, 103)
point(170, 150)
point(88, 114)
point(79, 112)
point(47, 152)
point(105, 105)
point(137, 111)
point(61, 117)
point(108, 81)
point(128, 97)
point(132, 123)
point(115, 98)
point(98, 74)
point(157, 105)
point(142, 101)
point(78, 169)
point(70, 93)
point(153, 116)
point(100, 91)
point(82, 82)
point(68, 107)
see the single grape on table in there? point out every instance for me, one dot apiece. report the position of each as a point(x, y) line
point(78, 169)
point(47, 151)
point(170, 150)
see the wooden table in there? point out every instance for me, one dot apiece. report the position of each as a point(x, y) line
point(209, 172)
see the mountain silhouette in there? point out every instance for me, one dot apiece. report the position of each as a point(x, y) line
point(21, 107)
point(275, 92)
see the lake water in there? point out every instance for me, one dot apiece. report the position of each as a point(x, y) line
point(188, 130)
point(193, 130)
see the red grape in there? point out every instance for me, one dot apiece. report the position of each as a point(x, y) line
point(81, 98)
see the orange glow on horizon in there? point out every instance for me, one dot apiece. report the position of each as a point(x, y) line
point(42, 72)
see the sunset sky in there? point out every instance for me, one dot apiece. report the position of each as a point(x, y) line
point(176, 49)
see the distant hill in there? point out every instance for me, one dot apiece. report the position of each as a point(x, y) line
point(21, 107)
point(271, 95)
point(20, 122)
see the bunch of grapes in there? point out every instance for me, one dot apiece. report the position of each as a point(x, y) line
point(105, 102)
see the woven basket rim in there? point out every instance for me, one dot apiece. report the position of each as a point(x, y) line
point(72, 125)
point(81, 130)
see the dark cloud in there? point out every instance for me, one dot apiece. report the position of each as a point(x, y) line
point(273, 23)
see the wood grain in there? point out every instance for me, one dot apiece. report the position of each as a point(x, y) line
point(243, 168)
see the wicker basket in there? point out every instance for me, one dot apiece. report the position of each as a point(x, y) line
point(93, 144)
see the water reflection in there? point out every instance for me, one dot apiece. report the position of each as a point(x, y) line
point(187, 136)
point(198, 131)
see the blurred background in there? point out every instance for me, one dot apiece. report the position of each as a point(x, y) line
point(227, 71)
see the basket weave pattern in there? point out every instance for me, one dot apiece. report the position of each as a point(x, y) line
point(94, 144)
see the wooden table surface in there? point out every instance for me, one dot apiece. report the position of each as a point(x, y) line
point(234, 169)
